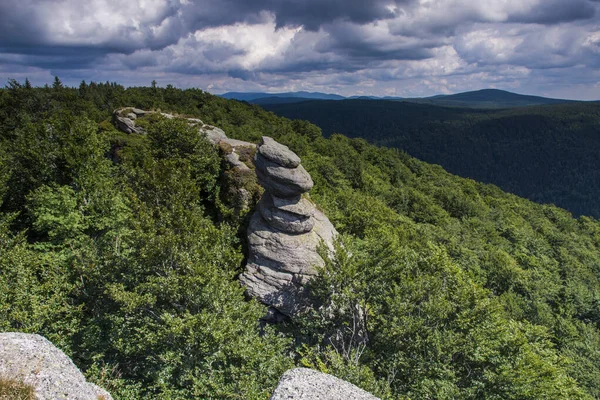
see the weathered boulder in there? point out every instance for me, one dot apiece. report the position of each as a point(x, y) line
point(139, 112)
point(278, 153)
point(307, 384)
point(233, 159)
point(296, 205)
point(35, 361)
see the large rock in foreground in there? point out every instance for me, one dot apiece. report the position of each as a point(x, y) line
point(35, 361)
point(307, 384)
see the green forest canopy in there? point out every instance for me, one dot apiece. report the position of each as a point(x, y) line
point(547, 154)
point(122, 252)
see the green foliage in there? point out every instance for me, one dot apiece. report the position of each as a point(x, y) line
point(175, 139)
point(35, 290)
point(5, 173)
point(55, 212)
point(122, 250)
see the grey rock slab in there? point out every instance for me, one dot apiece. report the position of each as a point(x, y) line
point(132, 116)
point(33, 360)
point(234, 161)
point(296, 205)
point(282, 181)
point(281, 293)
point(238, 143)
point(195, 121)
point(213, 134)
point(283, 220)
point(308, 384)
point(127, 125)
point(290, 253)
point(278, 153)
point(139, 112)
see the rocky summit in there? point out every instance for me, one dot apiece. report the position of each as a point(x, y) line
point(285, 233)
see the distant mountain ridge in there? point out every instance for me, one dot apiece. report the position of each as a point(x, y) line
point(252, 96)
point(485, 98)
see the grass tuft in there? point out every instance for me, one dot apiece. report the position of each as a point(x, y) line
point(11, 389)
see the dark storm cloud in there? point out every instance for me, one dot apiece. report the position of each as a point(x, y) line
point(57, 57)
point(311, 14)
point(357, 42)
point(557, 11)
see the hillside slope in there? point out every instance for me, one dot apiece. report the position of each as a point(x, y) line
point(123, 250)
point(547, 154)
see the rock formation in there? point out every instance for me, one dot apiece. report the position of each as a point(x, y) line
point(285, 233)
point(35, 361)
point(125, 120)
point(239, 187)
point(307, 384)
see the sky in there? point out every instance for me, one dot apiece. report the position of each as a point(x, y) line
point(408, 48)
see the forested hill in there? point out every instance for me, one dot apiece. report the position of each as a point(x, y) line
point(488, 98)
point(548, 154)
point(122, 250)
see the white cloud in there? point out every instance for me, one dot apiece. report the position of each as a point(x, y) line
point(408, 47)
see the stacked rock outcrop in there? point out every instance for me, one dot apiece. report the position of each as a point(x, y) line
point(285, 233)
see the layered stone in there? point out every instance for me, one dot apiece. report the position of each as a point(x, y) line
point(283, 220)
point(279, 264)
point(296, 205)
point(127, 125)
point(278, 153)
point(285, 233)
point(282, 181)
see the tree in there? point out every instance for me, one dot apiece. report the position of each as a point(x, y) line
point(57, 85)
